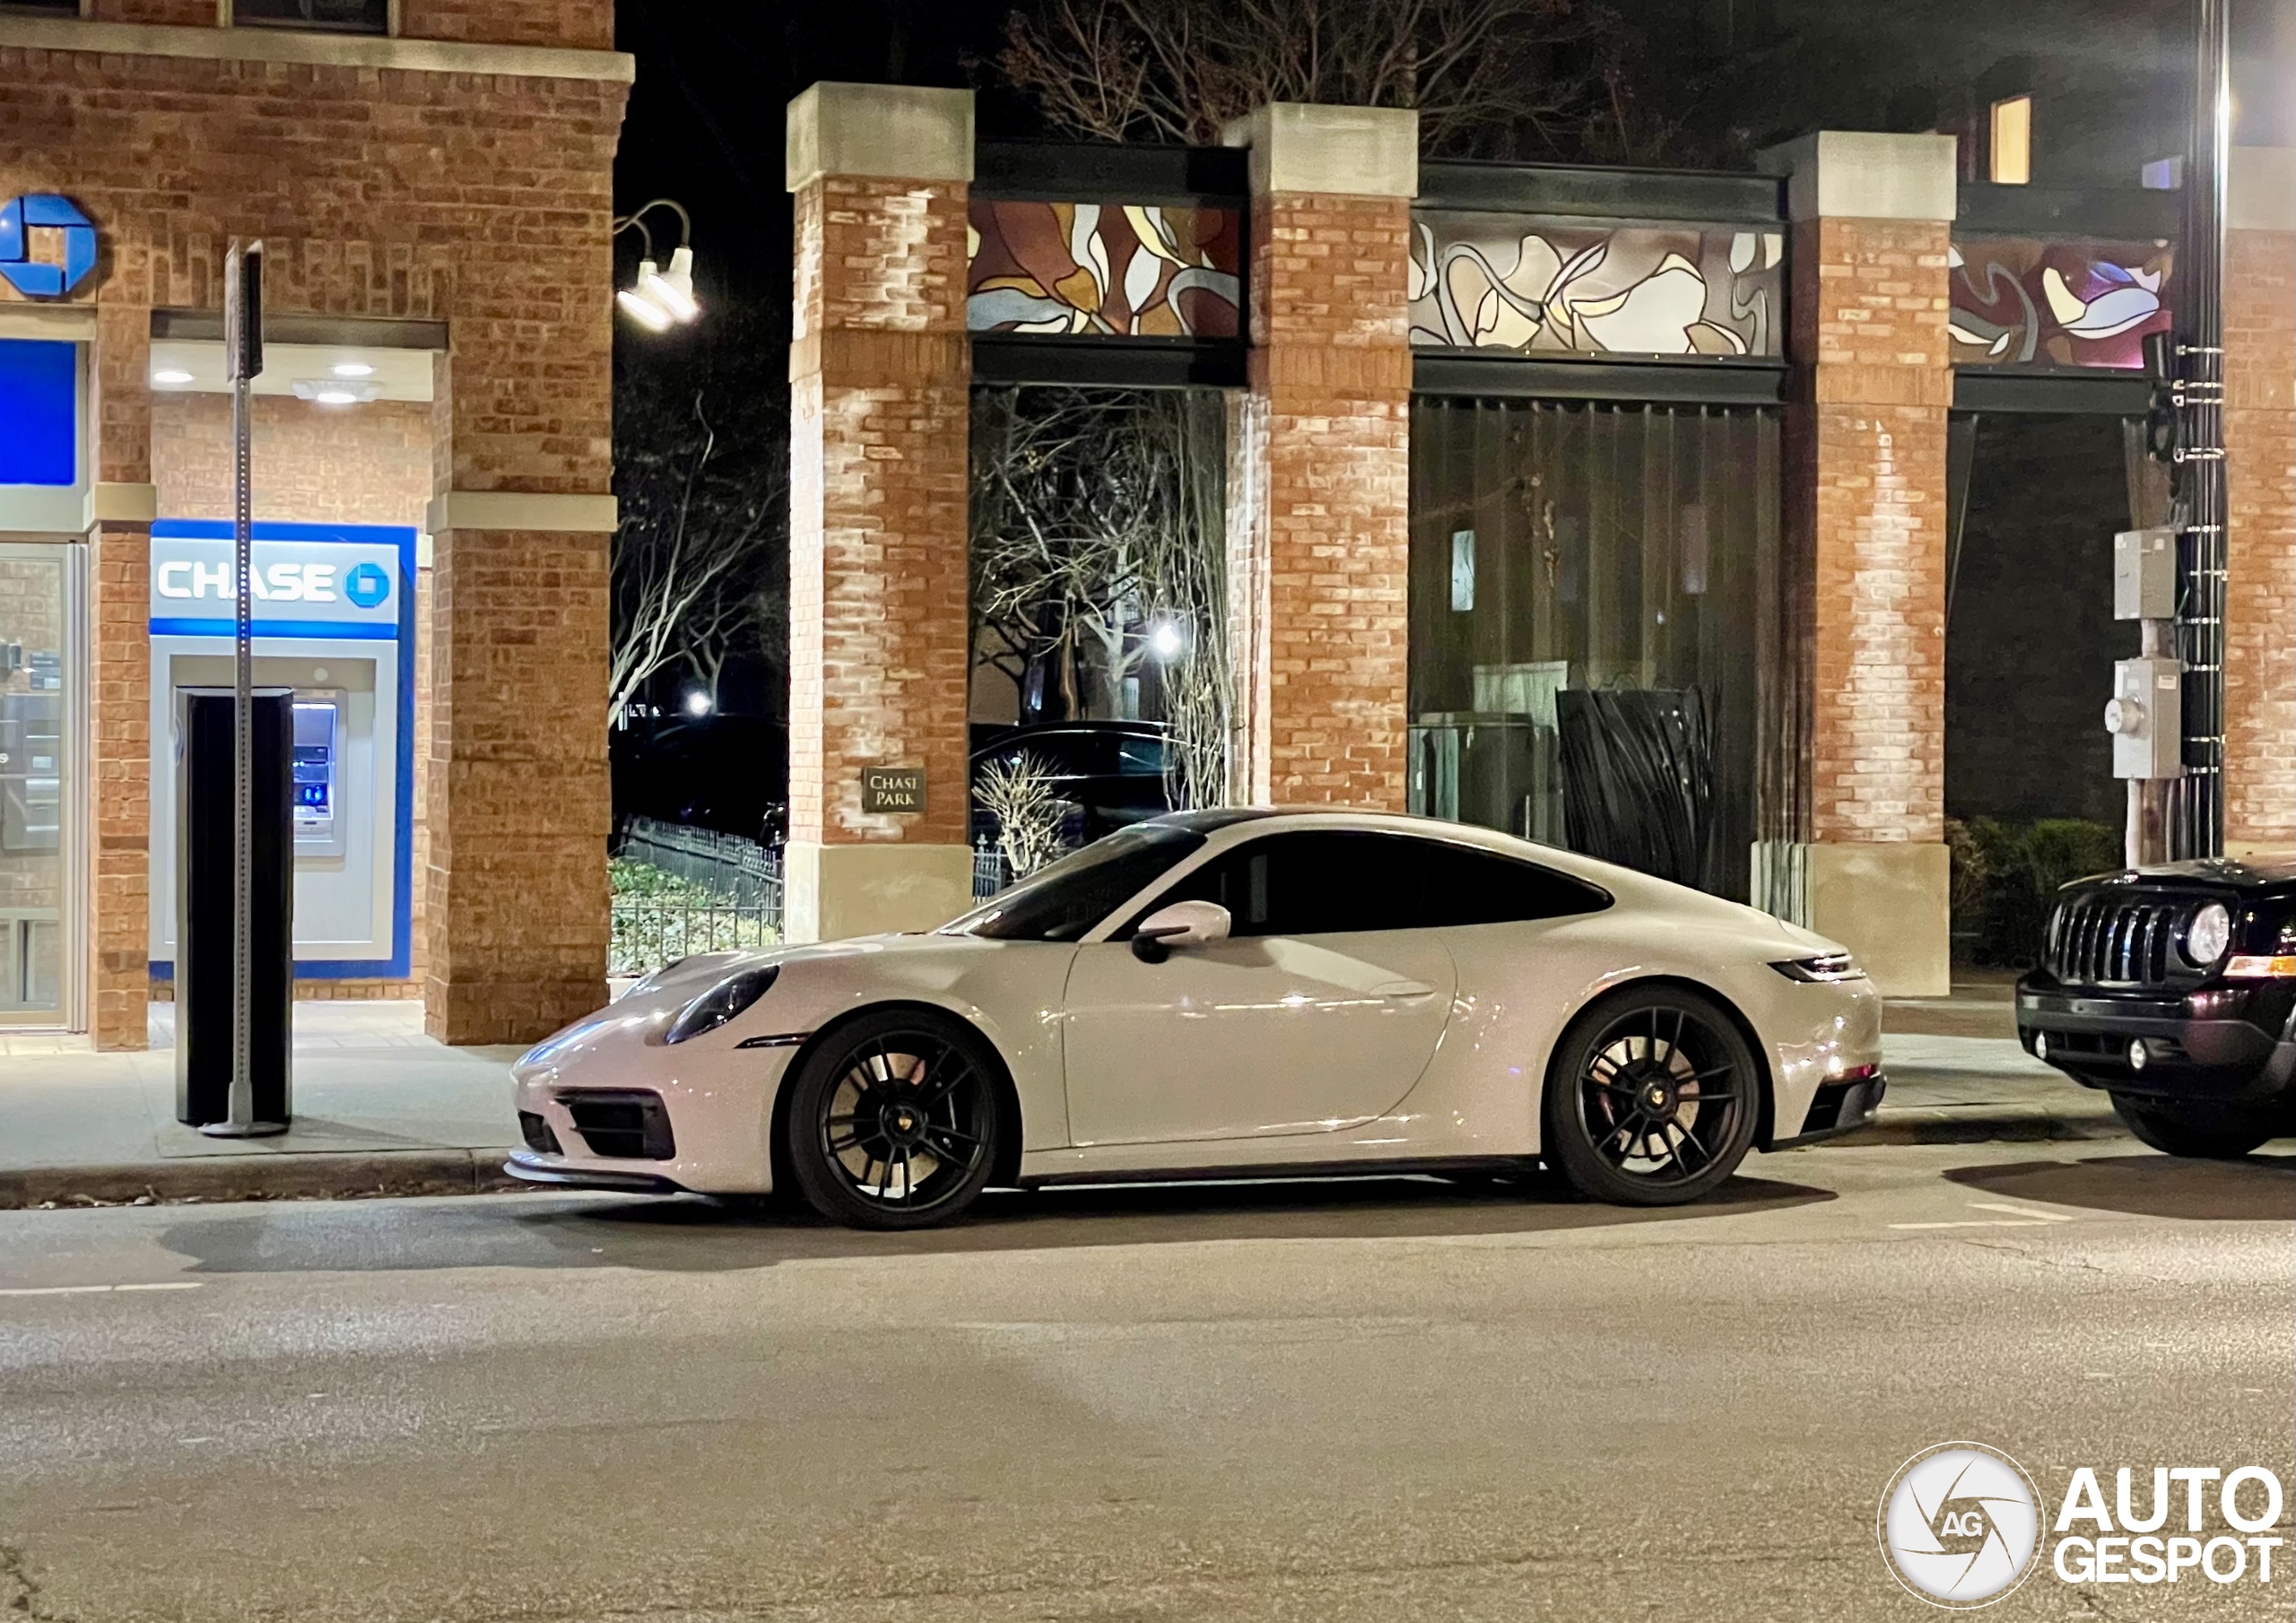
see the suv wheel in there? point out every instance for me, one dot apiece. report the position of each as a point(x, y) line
point(2214, 1132)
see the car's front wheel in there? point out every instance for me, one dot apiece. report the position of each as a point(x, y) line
point(895, 1121)
point(2201, 1132)
point(1652, 1099)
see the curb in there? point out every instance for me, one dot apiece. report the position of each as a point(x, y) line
point(285, 1177)
point(1986, 1123)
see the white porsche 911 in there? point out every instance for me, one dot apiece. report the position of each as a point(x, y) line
point(1228, 994)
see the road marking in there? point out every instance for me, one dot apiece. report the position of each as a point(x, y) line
point(2022, 1211)
point(2021, 1217)
point(97, 1290)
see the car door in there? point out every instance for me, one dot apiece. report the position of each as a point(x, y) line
point(1317, 1014)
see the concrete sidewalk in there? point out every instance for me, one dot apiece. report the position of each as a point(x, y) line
point(381, 1109)
point(378, 1109)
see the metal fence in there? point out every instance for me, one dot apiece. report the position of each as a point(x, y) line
point(990, 873)
point(740, 871)
point(729, 897)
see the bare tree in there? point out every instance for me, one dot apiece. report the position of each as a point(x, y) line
point(1098, 547)
point(1019, 795)
point(1491, 77)
point(697, 536)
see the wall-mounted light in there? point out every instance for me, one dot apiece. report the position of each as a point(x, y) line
point(351, 369)
point(171, 375)
point(660, 299)
point(1165, 641)
point(334, 391)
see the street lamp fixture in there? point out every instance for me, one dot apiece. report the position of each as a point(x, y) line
point(659, 298)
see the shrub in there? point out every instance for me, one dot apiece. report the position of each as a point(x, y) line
point(2006, 875)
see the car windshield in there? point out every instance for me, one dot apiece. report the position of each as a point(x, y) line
point(1060, 903)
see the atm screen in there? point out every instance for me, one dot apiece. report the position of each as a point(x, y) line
point(314, 772)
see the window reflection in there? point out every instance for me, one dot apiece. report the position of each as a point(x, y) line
point(1592, 588)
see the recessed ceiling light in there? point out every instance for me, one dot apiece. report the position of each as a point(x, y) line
point(327, 391)
point(171, 375)
point(353, 369)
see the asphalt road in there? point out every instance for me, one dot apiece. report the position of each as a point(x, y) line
point(1377, 1400)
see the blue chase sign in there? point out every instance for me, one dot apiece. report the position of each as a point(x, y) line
point(39, 278)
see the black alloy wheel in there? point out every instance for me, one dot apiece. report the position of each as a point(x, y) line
point(1652, 1098)
point(2202, 1131)
point(895, 1121)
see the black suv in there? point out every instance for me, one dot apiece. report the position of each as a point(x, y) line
point(2172, 988)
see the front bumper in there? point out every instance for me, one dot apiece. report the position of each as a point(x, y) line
point(1839, 1108)
point(2217, 1044)
point(622, 1114)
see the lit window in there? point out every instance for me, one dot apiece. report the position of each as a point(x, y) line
point(2013, 141)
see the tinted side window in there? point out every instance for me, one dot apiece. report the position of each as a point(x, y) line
point(1469, 886)
point(1312, 883)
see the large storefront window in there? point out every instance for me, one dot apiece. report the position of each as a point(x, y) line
point(35, 781)
point(1593, 591)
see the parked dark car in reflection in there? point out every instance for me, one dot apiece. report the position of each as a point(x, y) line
point(2173, 989)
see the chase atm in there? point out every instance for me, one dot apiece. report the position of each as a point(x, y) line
point(334, 622)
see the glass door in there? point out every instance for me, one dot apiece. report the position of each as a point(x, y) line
point(39, 897)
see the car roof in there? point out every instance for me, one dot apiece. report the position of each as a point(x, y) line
point(1254, 821)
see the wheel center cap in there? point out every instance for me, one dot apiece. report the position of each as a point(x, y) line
point(1658, 1098)
point(903, 1124)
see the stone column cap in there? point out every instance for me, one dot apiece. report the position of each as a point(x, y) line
point(520, 510)
point(2260, 192)
point(1349, 152)
point(1866, 175)
point(897, 131)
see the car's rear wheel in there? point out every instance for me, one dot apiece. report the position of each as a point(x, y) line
point(1652, 1098)
point(895, 1121)
point(2201, 1132)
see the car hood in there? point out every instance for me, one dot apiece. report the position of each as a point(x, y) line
point(656, 999)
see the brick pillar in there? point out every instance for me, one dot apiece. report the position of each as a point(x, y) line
point(118, 773)
point(880, 378)
point(1320, 504)
point(2260, 463)
point(1865, 506)
point(515, 909)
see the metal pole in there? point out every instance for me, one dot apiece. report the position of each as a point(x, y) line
point(243, 345)
point(2197, 800)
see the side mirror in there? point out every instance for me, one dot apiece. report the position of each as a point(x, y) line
point(1181, 925)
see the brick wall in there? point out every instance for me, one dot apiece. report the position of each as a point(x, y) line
point(1867, 501)
point(880, 390)
point(482, 200)
point(181, 13)
point(312, 463)
point(2260, 448)
point(579, 24)
point(1321, 549)
point(586, 24)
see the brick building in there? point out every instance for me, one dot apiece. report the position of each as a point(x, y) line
point(1537, 475)
point(431, 180)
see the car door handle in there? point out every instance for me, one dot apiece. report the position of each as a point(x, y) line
point(1404, 989)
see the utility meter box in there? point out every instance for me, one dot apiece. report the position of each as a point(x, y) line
point(2144, 577)
point(2146, 716)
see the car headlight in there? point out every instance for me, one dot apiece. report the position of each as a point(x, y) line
point(1823, 967)
point(721, 1003)
point(2208, 934)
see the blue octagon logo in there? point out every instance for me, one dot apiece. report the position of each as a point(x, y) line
point(366, 584)
point(31, 278)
